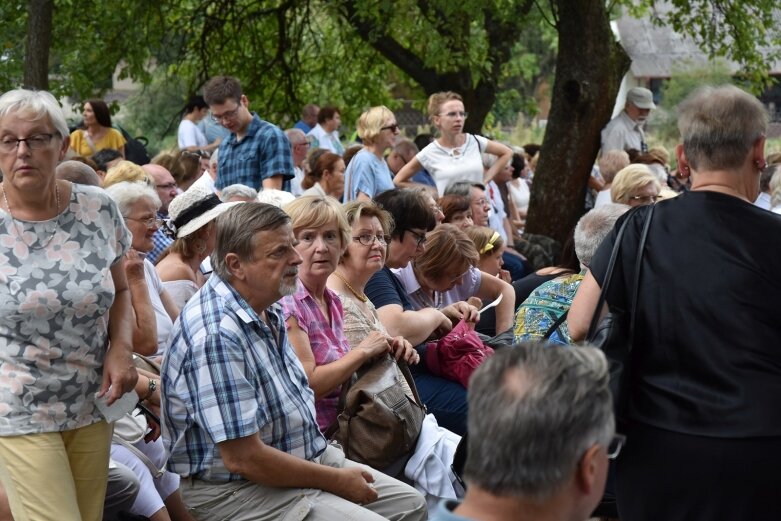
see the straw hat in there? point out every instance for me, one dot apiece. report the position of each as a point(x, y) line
point(193, 209)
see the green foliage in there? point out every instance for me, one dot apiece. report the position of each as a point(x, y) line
point(684, 80)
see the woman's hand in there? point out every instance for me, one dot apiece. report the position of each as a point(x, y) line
point(458, 311)
point(403, 350)
point(374, 345)
point(134, 265)
point(119, 374)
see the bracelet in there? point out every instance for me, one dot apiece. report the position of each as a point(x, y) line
point(152, 388)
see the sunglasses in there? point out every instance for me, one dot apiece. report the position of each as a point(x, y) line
point(392, 128)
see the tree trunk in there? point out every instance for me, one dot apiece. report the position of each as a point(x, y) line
point(39, 39)
point(589, 68)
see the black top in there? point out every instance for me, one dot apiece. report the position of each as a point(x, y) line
point(384, 289)
point(707, 348)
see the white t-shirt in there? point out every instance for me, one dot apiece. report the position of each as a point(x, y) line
point(498, 214)
point(164, 322)
point(190, 135)
point(325, 140)
point(603, 198)
point(448, 165)
point(520, 194)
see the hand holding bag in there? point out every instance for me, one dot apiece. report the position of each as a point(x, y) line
point(378, 423)
point(456, 355)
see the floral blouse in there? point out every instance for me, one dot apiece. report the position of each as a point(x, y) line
point(56, 290)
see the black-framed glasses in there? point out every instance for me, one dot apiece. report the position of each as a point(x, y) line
point(392, 128)
point(36, 142)
point(167, 186)
point(455, 114)
point(615, 446)
point(420, 240)
point(150, 222)
point(368, 239)
point(231, 114)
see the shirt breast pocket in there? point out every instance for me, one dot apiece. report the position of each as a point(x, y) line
point(248, 156)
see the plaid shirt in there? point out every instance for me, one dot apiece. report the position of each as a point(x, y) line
point(264, 152)
point(326, 339)
point(224, 378)
point(160, 240)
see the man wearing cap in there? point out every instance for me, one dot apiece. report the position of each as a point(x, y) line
point(625, 131)
point(166, 190)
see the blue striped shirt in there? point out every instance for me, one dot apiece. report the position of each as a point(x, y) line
point(264, 152)
point(224, 377)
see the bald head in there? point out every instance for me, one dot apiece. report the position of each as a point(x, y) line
point(77, 172)
point(164, 182)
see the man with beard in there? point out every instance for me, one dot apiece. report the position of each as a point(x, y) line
point(239, 413)
point(625, 131)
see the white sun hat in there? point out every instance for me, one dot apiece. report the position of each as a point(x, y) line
point(194, 208)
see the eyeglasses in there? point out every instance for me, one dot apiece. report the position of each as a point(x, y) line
point(392, 128)
point(455, 114)
point(231, 114)
point(38, 141)
point(646, 198)
point(615, 446)
point(167, 186)
point(482, 202)
point(420, 240)
point(151, 222)
point(435, 207)
point(367, 239)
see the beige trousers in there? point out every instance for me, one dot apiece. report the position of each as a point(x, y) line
point(248, 501)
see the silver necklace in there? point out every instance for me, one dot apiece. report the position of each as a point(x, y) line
point(56, 222)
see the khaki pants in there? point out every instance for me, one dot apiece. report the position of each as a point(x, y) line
point(248, 501)
point(57, 476)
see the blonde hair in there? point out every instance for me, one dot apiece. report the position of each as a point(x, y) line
point(629, 180)
point(370, 124)
point(316, 211)
point(482, 238)
point(436, 100)
point(127, 171)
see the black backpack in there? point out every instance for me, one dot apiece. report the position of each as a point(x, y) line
point(135, 148)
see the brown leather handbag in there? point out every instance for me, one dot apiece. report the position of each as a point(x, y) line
point(379, 424)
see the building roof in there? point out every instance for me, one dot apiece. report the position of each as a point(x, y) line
point(656, 51)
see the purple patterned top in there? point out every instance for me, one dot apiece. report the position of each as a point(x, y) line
point(327, 341)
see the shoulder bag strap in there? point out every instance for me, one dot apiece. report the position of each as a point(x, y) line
point(608, 276)
point(89, 141)
point(404, 368)
point(476, 141)
point(636, 283)
point(555, 326)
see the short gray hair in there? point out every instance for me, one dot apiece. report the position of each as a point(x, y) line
point(37, 103)
point(295, 136)
point(719, 125)
point(238, 190)
point(77, 172)
point(592, 229)
point(127, 193)
point(462, 188)
point(611, 162)
point(236, 230)
point(533, 412)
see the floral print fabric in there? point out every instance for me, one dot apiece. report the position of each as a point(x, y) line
point(54, 301)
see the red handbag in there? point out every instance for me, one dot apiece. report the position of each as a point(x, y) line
point(456, 355)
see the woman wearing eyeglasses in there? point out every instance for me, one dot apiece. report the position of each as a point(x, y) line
point(65, 319)
point(367, 173)
point(153, 312)
point(454, 155)
point(314, 315)
point(635, 185)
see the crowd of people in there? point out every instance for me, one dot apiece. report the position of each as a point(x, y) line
point(187, 339)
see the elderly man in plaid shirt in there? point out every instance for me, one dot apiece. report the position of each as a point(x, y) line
point(257, 153)
point(240, 421)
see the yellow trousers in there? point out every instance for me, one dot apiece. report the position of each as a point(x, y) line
point(57, 476)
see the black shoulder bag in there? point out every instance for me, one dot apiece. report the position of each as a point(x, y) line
point(611, 335)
